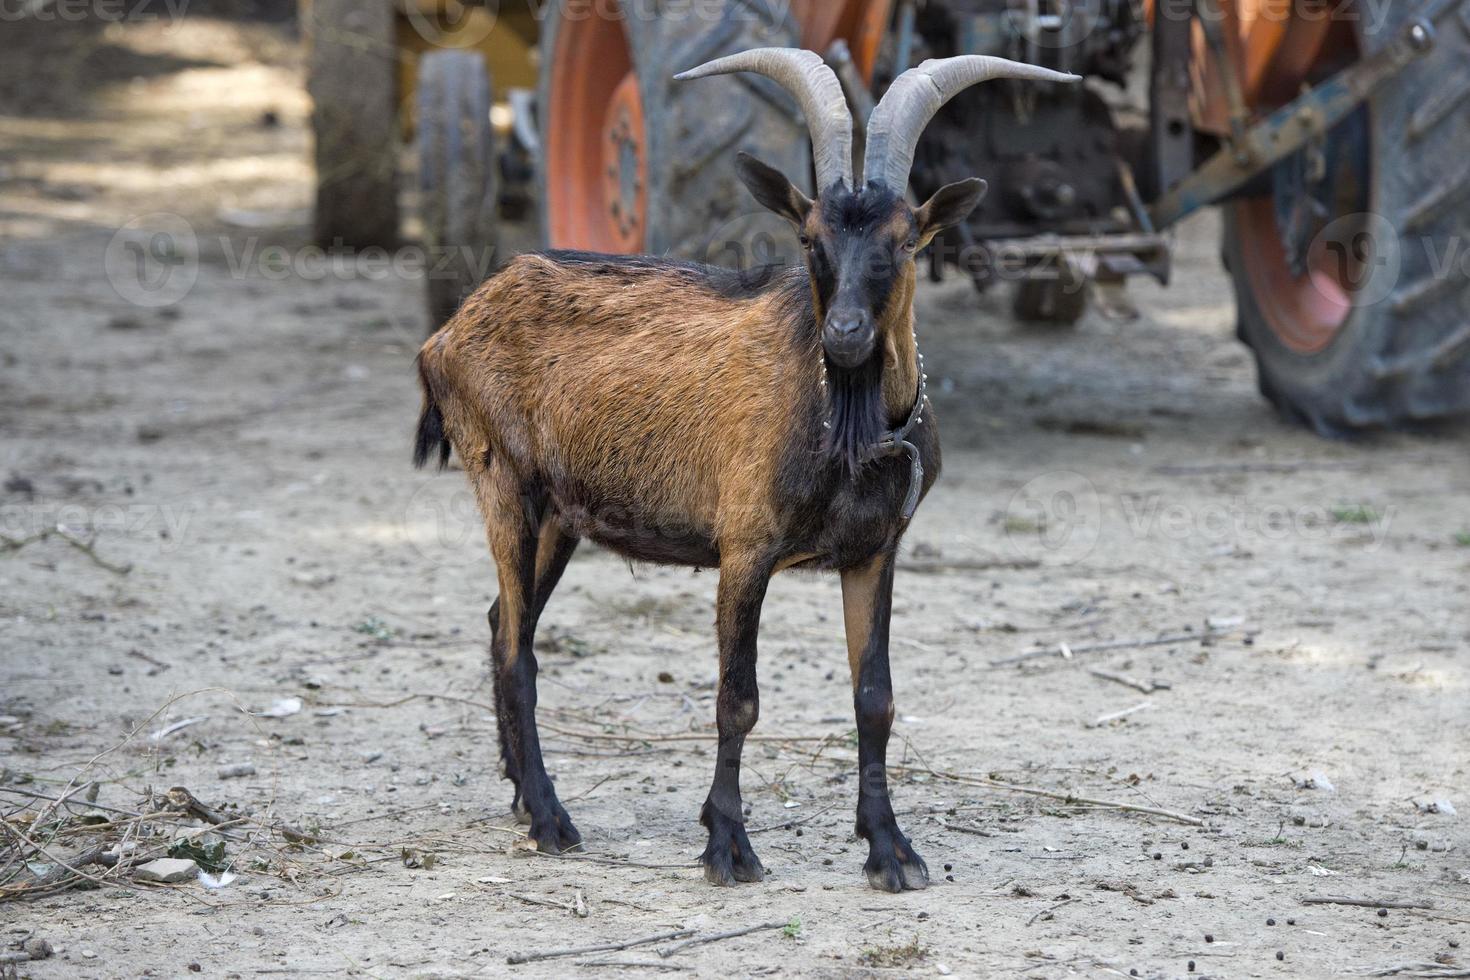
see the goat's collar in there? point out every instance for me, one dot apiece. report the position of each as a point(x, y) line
point(897, 441)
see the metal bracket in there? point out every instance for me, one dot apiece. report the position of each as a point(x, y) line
point(1291, 127)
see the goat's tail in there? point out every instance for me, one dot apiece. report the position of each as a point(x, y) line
point(431, 425)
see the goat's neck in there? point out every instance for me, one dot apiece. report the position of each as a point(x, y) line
point(900, 367)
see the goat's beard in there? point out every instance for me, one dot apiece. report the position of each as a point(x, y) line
point(855, 411)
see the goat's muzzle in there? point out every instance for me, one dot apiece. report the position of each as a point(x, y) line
point(848, 337)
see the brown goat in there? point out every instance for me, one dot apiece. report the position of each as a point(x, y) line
point(683, 414)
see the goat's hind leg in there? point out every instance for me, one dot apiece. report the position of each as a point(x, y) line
point(553, 550)
point(516, 530)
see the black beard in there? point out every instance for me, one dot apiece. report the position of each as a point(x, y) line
point(855, 411)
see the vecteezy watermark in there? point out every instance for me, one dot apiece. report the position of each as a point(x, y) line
point(1062, 518)
point(153, 260)
point(106, 11)
point(465, 25)
point(313, 263)
point(165, 524)
point(1372, 14)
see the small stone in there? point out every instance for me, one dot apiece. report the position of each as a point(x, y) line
point(89, 954)
point(195, 968)
point(1291, 922)
point(166, 870)
point(1209, 938)
point(38, 949)
point(1383, 913)
point(1280, 955)
point(1158, 856)
point(236, 771)
point(1270, 922)
point(1190, 966)
point(1133, 972)
point(664, 677)
point(1184, 845)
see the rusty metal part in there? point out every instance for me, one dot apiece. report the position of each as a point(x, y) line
point(1293, 126)
point(1171, 129)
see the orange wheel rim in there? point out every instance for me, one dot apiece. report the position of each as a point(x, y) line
point(596, 149)
point(1307, 311)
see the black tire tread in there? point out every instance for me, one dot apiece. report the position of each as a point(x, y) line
point(457, 176)
point(1407, 358)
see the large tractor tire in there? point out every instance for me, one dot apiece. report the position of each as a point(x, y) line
point(353, 81)
point(1354, 293)
point(457, 176)
point(635, 162)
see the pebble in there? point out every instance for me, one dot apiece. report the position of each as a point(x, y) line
point(1209, 938)
point(1191, 966)
point(1280, 955)
point(236, 771)
point(1270, 922)
point(37, 948)
point(166, 870)
point(1383, 913)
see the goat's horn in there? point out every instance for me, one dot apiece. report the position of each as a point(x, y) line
point(916, 95)
point(817, 91)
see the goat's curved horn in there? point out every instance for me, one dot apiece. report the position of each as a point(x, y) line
point(817, 91)
point(916, 95)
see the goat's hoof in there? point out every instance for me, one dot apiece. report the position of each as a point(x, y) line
point(900, 869)
point(555, 833)
point(729, 858)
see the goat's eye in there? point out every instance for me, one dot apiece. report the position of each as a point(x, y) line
point(911, 245)
point(806, 241)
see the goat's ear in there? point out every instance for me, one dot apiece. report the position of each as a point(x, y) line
point(950, 205)
point(772, 189)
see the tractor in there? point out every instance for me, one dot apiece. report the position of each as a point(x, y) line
point(1332, 133)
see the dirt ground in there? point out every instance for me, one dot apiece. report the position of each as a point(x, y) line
point(1295, 609)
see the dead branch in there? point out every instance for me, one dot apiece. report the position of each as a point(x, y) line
point(1066, 651)
point(87, 548)
point(667, 951)
point(1368, 903)
point(551, 954)
point(1145, 687)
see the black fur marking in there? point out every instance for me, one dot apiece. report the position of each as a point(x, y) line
point(856, 405)
point(860, 261)
point(431, 434)
point(729, 283)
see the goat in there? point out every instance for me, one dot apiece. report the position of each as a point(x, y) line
point(683, 414)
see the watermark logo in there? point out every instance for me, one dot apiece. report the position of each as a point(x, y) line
point(441, 522)
point(1056, 516)
point(453, 24)
point(153, 260)
point(1359, 253)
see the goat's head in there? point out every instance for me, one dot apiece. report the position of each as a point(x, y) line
point(859, 240)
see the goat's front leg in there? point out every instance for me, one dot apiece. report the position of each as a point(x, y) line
point(728, 857)
point(512, 517)
point(867, 601)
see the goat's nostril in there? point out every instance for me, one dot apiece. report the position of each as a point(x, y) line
point(847, 325)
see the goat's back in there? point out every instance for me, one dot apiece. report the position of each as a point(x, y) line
point(656, 389)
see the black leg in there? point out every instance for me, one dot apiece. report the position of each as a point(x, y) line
point(512, 516)
point(553, 550)
point(867, 601)
point(728, 857)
